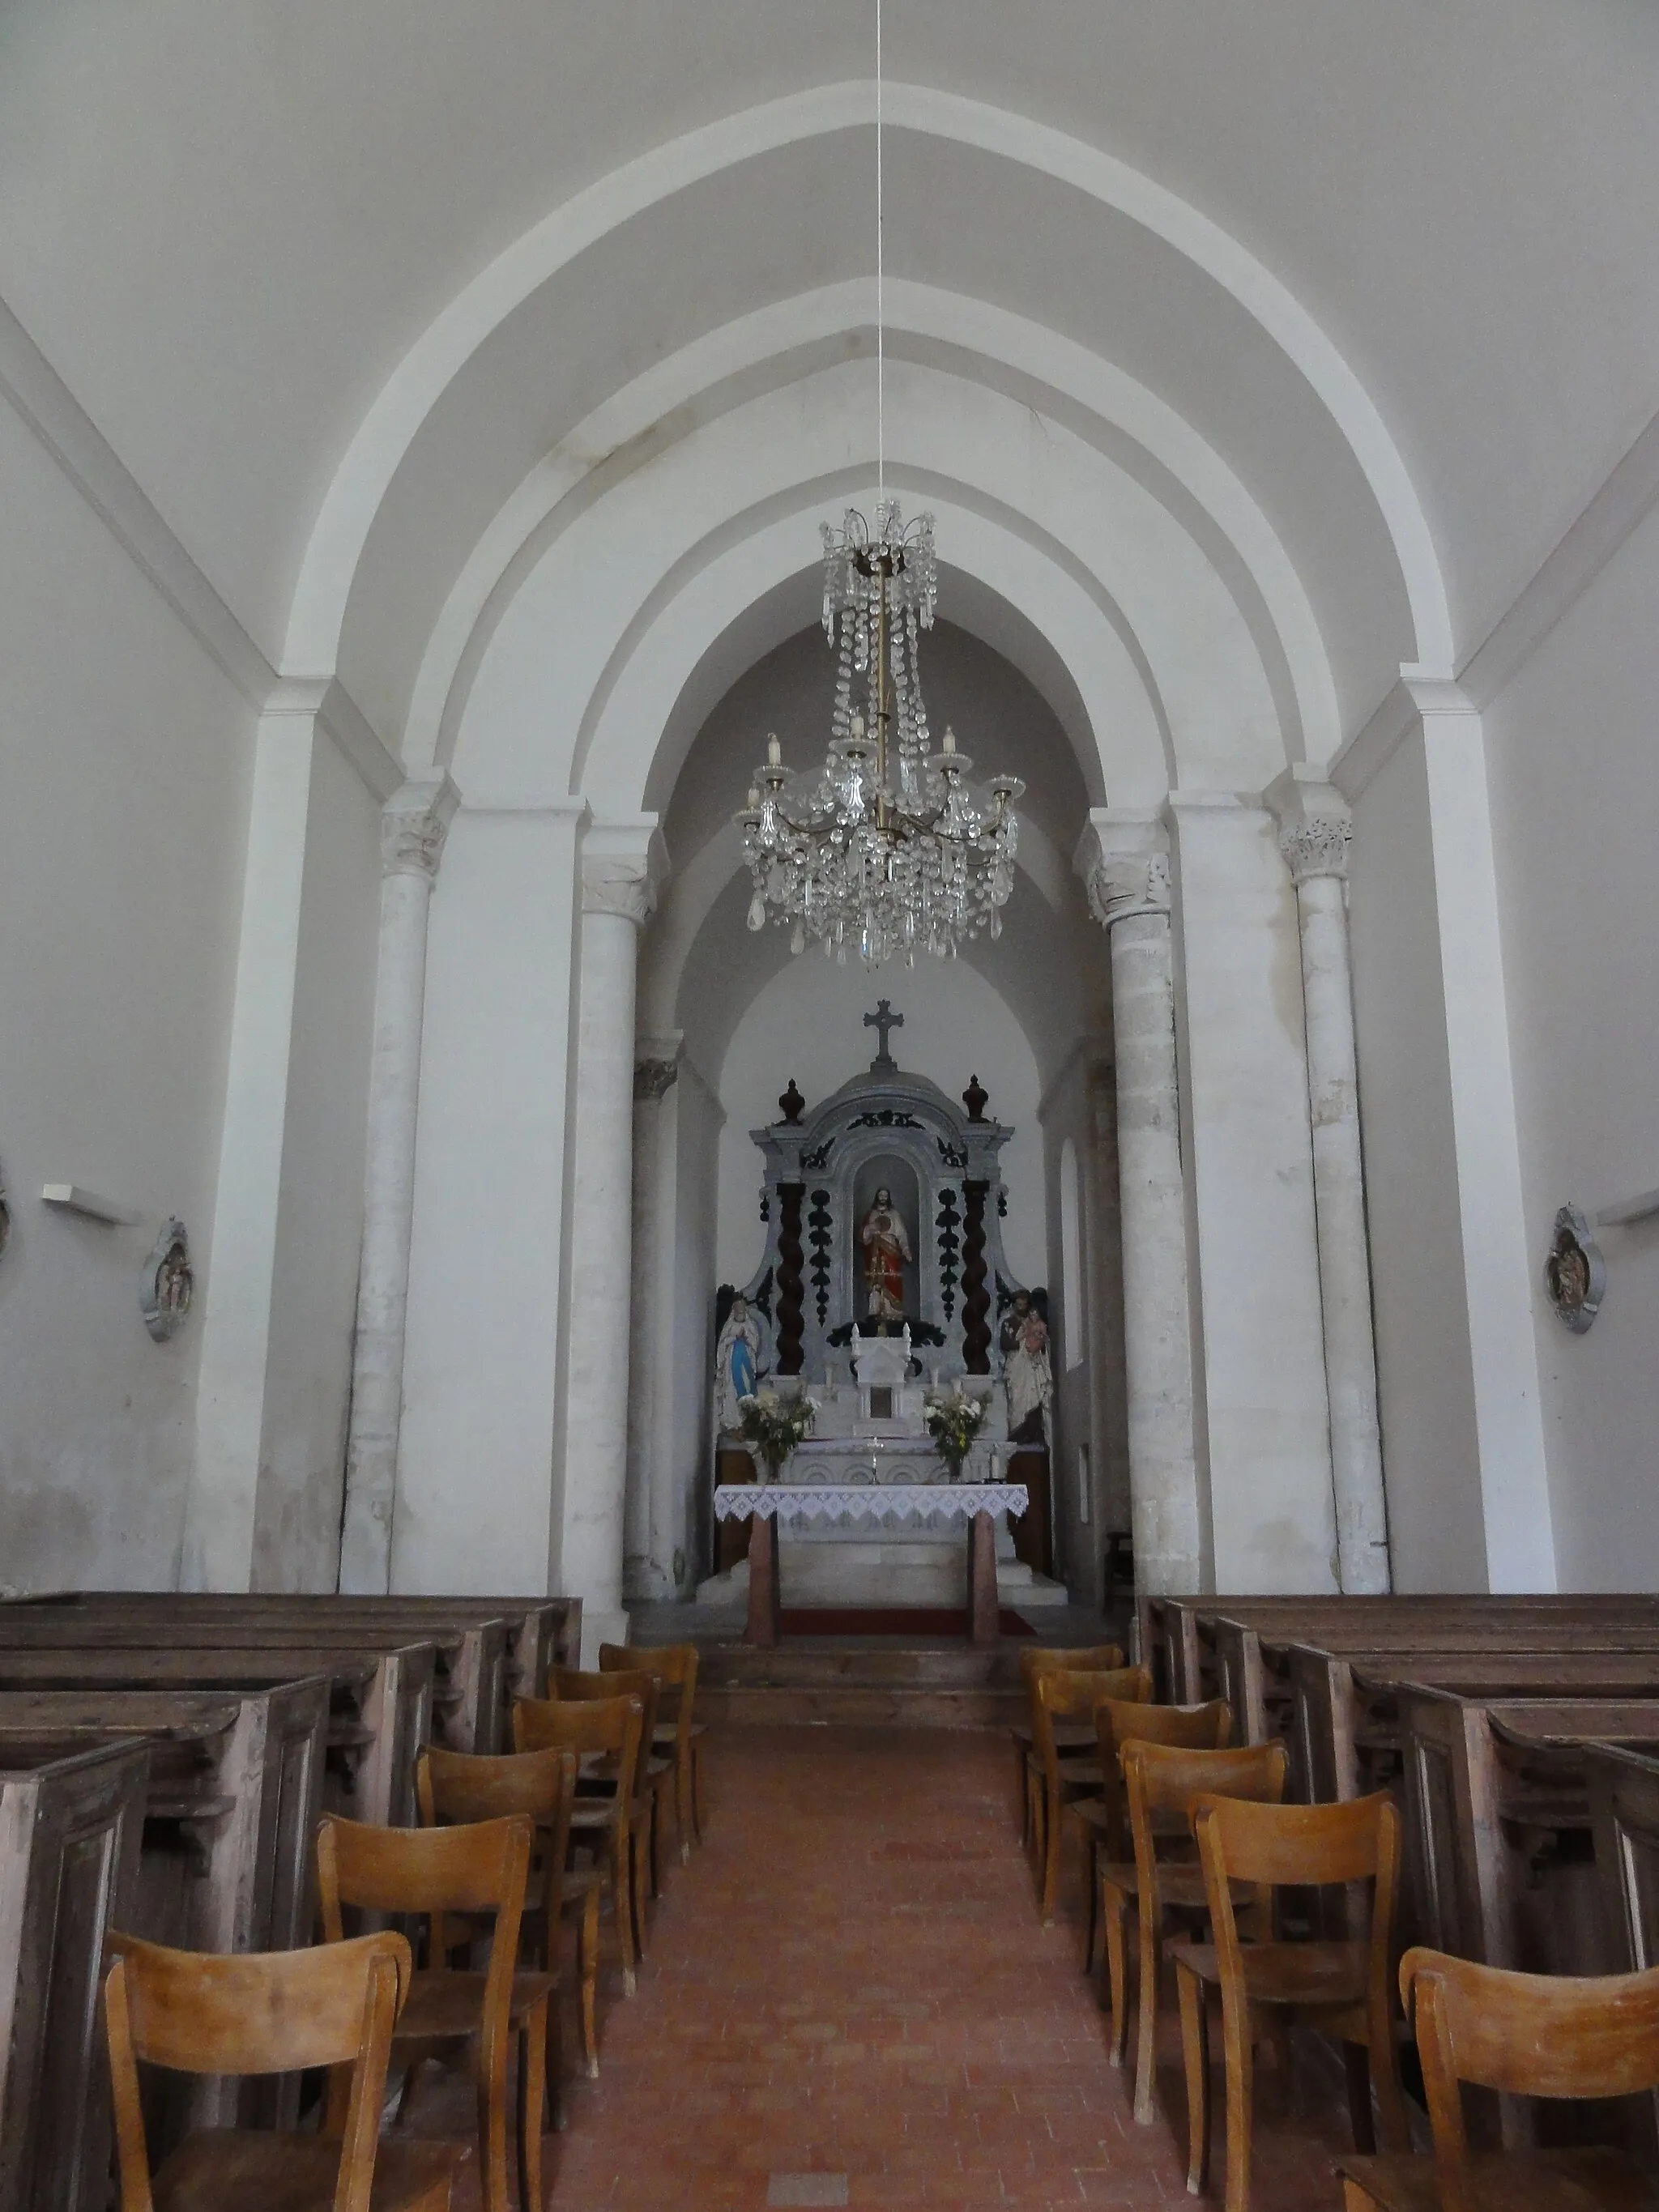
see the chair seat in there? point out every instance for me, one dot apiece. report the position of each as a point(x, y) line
point(1178, 1883)
point(1595, 2180)
point(231, 2167)
point(1069, 1736)
point(577, 1882)
point(446, 2007)
point(593, 1815)
point(1075, 1773)
point(1312, 1974)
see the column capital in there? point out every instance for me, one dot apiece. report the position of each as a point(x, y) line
point(1314, 823)
point(1123, 858)
point(624, 866)
point(656, 1065)
point(414, 823)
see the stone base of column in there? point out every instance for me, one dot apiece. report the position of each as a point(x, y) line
point(601, 1627)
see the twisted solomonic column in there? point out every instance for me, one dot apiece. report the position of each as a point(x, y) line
point(1124, 859)
point(1314, 830)
point(414, 825)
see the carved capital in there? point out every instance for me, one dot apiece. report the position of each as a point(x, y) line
point(1124, 862)
point(624, 865)
point(1314, 821)
point(655, 1078)
point(1312, 848)
point(614, 884)
point(414, 825)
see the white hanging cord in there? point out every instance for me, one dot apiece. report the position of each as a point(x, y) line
point(881, 322)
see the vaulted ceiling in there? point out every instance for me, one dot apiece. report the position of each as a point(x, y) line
point(1358, 303)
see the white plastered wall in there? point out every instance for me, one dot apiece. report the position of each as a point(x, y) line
point(1574, 794)
point(1249, 1182)
point(125, 760)
point(476, 1469)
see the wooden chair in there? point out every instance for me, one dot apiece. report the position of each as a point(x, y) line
point(271, 2012)
point(1104, 1819)
point(1058, 1695)
point(1343, 1988)
point(454, 1788)
point(1525, 2035)
point(652, 1775)
point(678, 1736)
point(483, 1867)
point(1160, 1781)
point(611, 1729)
point(1036, 1659)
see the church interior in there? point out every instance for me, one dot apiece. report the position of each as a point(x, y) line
point(829, 1204)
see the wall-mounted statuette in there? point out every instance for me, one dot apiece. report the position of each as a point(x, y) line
point(1574, 1273)
point(168, 1284)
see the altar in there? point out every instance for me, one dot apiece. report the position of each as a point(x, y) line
point(883, 1292)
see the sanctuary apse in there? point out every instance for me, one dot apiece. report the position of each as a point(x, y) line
point(884, 1284)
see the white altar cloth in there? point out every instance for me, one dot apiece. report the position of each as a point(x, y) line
point(856, 1505)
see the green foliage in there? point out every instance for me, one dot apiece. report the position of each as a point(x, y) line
point(954, 1419)
point(775, 1426)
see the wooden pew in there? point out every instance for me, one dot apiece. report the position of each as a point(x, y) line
point(1248, 1661)
point(453, 1711)
point(68, 1860)
point(231, 1809)
point(1343, 1722)
point(538, 1634)
point(1500, 1861)
point(381, 1704)
point(1173, 1632)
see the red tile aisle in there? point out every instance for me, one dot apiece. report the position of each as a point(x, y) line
point(850, 1979)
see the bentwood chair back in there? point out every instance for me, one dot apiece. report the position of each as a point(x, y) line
point(1036, 1659)
point(1120, 1720)
point(1523, 2035)
point(440, 1872)
point(268, 2012)
point(678, 1736)
point(609, 1730)
point(453, 1788)
point(1343, 1988)
point(579, 1686)
point(1160, 1780)
point(1059, 1695)
point(1105, 1819)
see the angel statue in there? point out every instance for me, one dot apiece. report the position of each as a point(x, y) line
point(886, 1247)
point(736, 1364)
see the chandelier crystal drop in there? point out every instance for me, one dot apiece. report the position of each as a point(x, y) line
point(888, 849)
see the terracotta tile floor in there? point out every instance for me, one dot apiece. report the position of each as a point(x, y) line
point(850, 1979)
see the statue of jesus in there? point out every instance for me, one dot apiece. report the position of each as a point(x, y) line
point(886, 1247)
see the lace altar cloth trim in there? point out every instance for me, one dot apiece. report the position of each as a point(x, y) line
point(854, 1503)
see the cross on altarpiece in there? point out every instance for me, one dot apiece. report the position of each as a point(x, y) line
point(884, 1019)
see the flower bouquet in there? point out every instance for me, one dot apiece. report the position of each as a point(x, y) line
point(954, 1419)
point(775, 1426)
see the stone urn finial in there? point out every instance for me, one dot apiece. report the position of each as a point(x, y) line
point(974, 1098)
point(792, 1105)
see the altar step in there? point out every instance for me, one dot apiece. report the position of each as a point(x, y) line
point(878, 1683)
point(875, 1681)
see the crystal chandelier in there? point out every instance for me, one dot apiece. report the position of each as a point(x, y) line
point(889, 847)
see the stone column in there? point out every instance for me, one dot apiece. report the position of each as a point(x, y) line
point(1124, 859)
point(1314, 828)
point(413, 827)
point(620, 874)
point(656, 1071)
